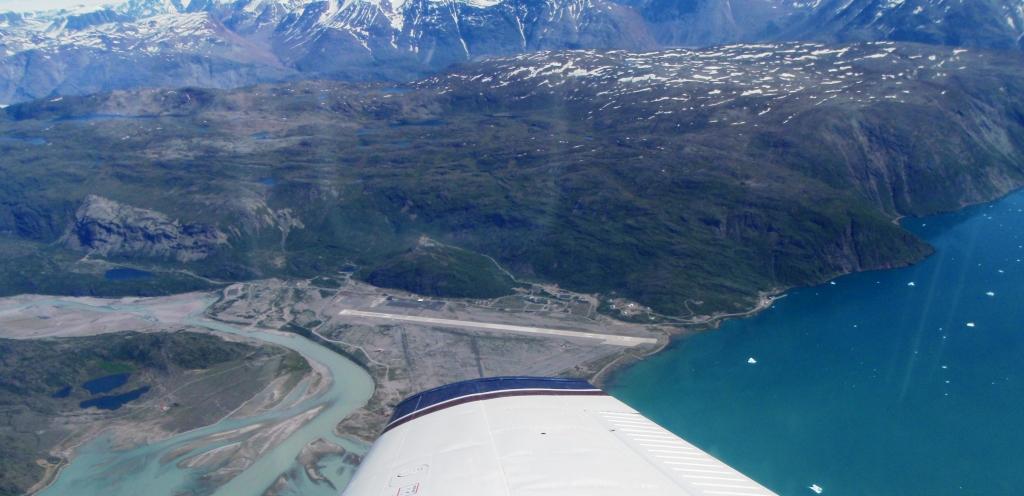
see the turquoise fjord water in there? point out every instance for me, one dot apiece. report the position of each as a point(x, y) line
point(901, 382)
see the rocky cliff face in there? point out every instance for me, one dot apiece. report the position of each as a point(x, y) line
point(105, 227)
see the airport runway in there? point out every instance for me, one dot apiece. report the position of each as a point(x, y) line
point(609, 339)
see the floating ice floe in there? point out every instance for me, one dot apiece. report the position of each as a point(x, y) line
point(970, 324)
point(816, 488)
point(833, 283)
point(752, 360)
point(911, 284)
point(990, 293)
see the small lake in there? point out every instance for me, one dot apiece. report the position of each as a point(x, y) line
point(126, 274)
point(106, 383)
point(902, 382)
point(113, 402)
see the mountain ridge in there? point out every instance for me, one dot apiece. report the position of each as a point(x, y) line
point(225, 44)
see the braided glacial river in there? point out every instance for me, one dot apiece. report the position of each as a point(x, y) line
point(905, 382)
point(153, 469)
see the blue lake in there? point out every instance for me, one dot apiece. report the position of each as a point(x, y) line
point(126, 274)
point(903, 382)
point(114, 401)
point(106, 383)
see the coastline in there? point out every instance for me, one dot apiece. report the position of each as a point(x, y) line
point(895, 350)
point(606, 374)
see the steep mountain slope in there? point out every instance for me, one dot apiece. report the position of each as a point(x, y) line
point(67, 53)
point(424, 35)
point(676, 23)
point(687, 180)
point(227, 44)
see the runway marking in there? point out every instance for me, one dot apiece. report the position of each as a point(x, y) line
point(609, 339)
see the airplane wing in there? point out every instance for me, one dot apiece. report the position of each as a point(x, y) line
point(519, 436)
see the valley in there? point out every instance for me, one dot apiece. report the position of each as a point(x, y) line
point(281, 431)
point(138, 388)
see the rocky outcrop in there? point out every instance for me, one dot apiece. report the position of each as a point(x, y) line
point(105, 227)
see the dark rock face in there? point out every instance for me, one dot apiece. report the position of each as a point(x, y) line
point(105, 227)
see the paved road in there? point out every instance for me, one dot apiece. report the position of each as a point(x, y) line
point(609, 339)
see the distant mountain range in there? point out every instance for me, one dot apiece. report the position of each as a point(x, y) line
point(222, 43)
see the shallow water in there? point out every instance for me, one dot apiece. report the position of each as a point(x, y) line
point(102, 471)
point(901, 382)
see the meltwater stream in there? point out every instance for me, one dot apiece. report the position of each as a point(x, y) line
point(99, 470)
point(902, 382)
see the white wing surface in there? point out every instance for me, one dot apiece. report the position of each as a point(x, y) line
point(524, 436)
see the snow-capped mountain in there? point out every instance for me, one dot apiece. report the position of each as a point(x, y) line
point(220, 43)
point(224, 43)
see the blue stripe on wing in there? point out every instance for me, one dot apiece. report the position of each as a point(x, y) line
point(456, 390)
